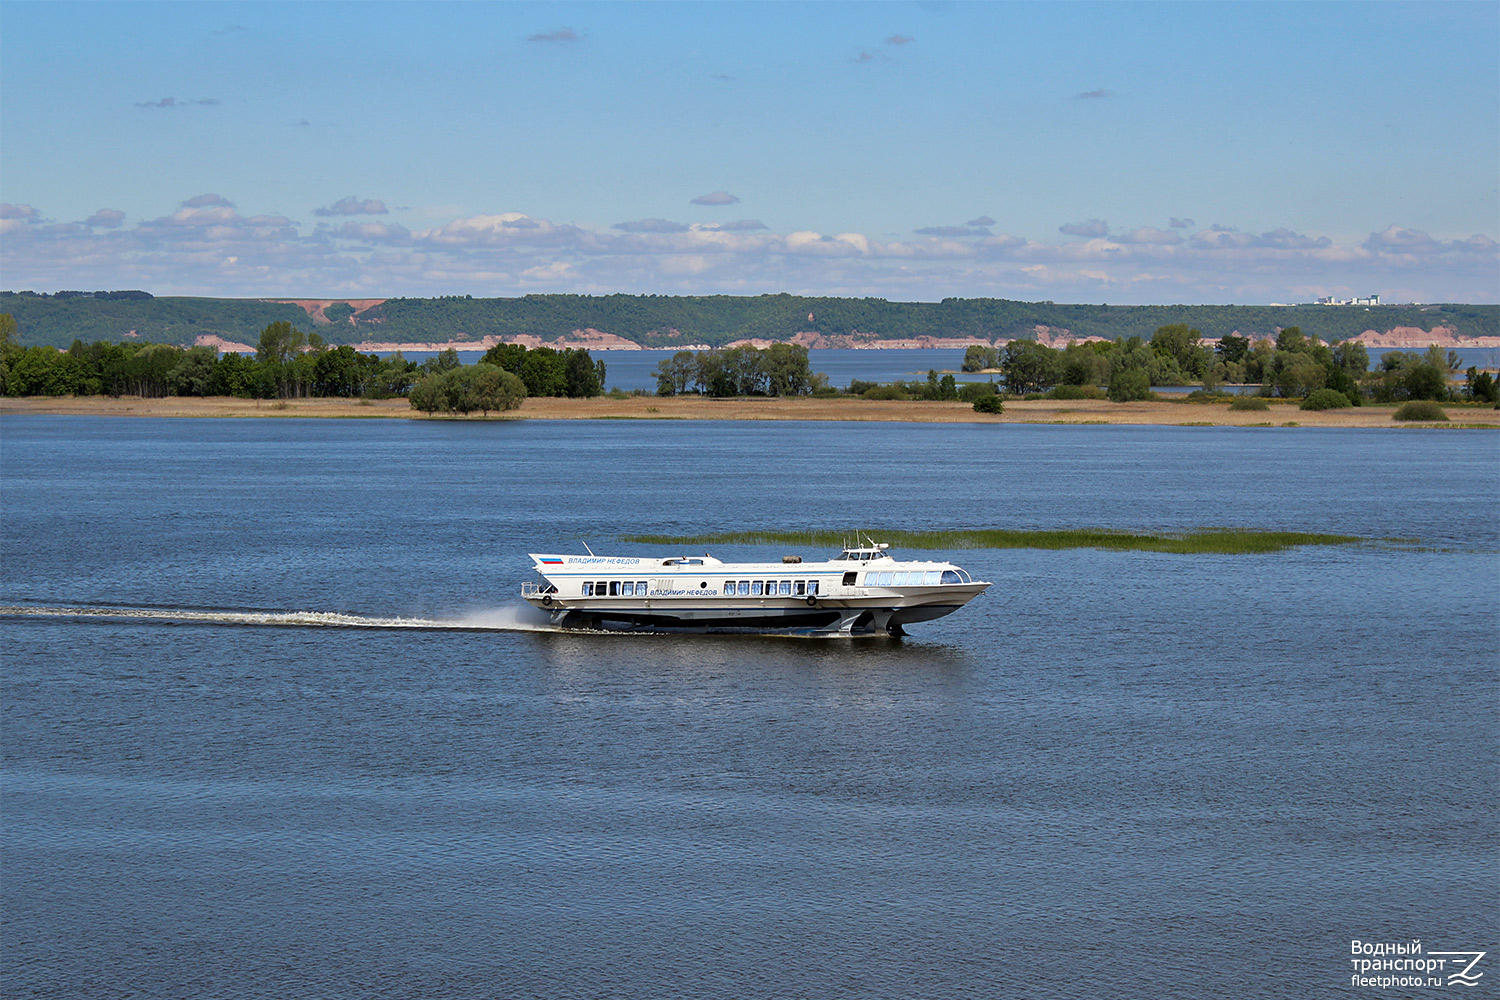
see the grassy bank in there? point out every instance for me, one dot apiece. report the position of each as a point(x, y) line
point(1157, 412)
point(1207, 540)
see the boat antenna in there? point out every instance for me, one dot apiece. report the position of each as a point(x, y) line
point(587, 549)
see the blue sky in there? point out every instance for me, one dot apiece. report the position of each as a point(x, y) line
point(1111, 152)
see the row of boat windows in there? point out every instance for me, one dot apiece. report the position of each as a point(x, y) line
point(744, 588)
point(770, 588)
point(914, 578)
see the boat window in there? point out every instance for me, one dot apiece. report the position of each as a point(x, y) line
point(899, 580)
point(588, 588)
point(950, 577)
point(801, 587)
point(744, 588)
point(785, 588)
point(614, 588)
point(600, 588)
point(640, 588)
point(627, 588)
point(931, 577)
point(849, 579)
point(812, 586)
point(757, 588)
point(728, 587)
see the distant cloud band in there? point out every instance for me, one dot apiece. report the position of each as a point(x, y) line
point(208, 247)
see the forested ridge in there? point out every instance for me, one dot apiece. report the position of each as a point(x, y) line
point(674, 320)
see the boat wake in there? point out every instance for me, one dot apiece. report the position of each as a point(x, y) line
point(506, 619)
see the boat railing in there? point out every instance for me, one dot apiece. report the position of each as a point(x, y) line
point(530, 588)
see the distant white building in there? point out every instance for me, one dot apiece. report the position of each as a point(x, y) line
point(1368, 300)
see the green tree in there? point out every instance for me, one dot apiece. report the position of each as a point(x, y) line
point(675, 374)
point(425, 394)
point(194, 372)
point(545, 372)
point(235, 375)
point(1291, 339)
point(494, 388)
point(394, 376)
point(1481, 386)
point(343, 371)
point(1129, 384)
point(788, 371)
point(979, 357)
point(1352, 356)
point(1029, 367)
point(972, 392)
point(1232, 348)
point(507, 356)
point(1084, 364)
point(1295, 373)
point(582, 378)
point(445, 360)
point(1340, 380)
point(1425, 381)
point(1182, 344)
point(279, 343)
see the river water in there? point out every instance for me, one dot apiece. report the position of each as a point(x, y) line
point(274, 724)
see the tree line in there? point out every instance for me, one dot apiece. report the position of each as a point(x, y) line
point(290, 364)
point(778, 370)
point(667, 321)
point(1292, 365)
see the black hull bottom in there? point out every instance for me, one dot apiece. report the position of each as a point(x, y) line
point(816, 620)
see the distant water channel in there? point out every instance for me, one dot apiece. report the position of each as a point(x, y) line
point(273, 724)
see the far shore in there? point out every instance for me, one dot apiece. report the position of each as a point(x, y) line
point(1156, 412)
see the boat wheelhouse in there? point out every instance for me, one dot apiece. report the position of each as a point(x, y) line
point(864, 590)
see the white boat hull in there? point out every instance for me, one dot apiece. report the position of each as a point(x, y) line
point(837, 597)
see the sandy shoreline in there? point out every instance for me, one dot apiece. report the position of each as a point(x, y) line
point(697, 408)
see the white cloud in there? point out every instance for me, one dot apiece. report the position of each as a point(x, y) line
point(351, 205)
point(561, 36)
point(715, 198)
point(1093, 227)
point(172, 102)
point(106, 218)
point(209, 247)
point(651, 226)
point(1148, 235)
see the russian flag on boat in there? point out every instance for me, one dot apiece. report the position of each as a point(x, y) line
point(551, 561)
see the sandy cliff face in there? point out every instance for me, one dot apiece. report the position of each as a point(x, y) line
point(314, 307)
point(1415, 336)
point(589, 339)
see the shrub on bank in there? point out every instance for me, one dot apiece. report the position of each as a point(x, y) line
point(1249, 403)
point(1075, 392)
point(973, 392)
point(1419, 409)
point(1206, 396)
point(1130, 385)
point(989, 404)
point(883, 392)
point(1326, 399)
